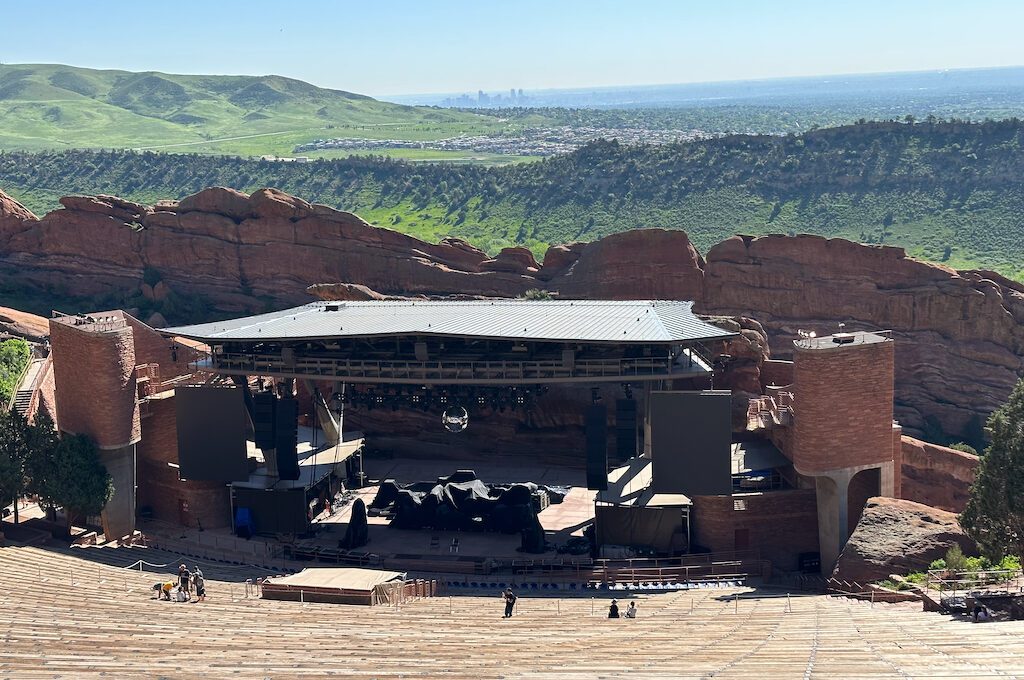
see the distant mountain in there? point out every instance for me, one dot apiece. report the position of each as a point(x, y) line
point(46, 106)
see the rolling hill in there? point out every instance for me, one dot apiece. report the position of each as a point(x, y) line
point(50, 106)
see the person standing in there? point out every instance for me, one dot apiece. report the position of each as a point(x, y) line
point(613, 610)
point(631, 610)
point(510, 601)
point(184, 579)
point(200, 584)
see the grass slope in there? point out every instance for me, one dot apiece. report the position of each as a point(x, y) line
point(946, 191)
point(49, 106)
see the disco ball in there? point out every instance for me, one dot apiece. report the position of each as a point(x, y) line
point(455, 419)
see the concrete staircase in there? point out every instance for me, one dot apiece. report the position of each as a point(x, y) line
point(23, 401)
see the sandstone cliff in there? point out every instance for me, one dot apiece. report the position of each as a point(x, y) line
point(23, 325)
point(936, 475)
point(960, 342)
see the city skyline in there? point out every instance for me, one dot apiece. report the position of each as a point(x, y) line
point(400, 47)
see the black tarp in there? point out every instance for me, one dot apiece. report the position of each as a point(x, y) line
point(357, 533)
point(466, 505)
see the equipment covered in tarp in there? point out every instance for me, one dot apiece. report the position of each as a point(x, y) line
point(337, 585)
point(357, 534)
point(463, 502)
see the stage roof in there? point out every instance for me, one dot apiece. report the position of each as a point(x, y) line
point(618, 321)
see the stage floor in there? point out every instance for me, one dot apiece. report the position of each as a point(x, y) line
point(560, 521)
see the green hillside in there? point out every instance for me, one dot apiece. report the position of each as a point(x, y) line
point(946, 191)
point(51, 106)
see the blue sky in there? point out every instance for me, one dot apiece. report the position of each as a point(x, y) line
point(382, 47)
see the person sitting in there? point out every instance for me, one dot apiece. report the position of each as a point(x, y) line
point(613, 610)
point(631, 610)
point(163, 588)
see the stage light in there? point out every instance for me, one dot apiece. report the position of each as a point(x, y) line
point(455, 419)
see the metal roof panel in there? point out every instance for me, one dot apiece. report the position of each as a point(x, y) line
point(631, 321)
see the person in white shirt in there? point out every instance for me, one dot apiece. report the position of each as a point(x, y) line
point(631, 610)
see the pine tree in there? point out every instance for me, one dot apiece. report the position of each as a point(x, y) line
point(994, 516)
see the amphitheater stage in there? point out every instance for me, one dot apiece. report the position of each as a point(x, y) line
point(560, 521)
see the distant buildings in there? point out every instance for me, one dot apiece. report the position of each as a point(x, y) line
point(484, 100)
point(541, 141)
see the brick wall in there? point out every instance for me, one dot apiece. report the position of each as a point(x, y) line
point(206, 503)
point(843, 398)
point(48, 395)
point(935, 475)
point(781, 524)
point(94, 379)
point(153, 348)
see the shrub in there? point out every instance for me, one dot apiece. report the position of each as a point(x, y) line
point(955, 560)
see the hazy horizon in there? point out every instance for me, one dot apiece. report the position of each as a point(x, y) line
point(402, 47)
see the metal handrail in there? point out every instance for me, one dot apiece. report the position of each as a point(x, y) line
point(17, 383)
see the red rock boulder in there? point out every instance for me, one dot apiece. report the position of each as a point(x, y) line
point(897, 536)
point(218, 200)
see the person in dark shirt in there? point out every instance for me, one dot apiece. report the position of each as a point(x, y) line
point(184, 579)
point(510, 601)
point(613, 610)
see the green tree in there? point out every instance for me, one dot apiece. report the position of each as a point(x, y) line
point(994, 516)
point(66, 472)
point(14, 356)
point(14, 449)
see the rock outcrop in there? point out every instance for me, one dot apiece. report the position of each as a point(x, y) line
point(14, 218)
point(23, 325)
point(936, 475)
point(896, 537)
point(960, 336)
point(343, 292)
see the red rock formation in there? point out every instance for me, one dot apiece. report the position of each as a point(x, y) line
point(896, 537)
point(513, 260)
point(648, 264)
point(960, 337)
point(343, 291)
point(14, 218)
point(217, 200)
point(212, 245)
point(936, 475)
point(23, 324)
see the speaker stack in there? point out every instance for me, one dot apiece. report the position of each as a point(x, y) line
point(287, 438)
point(595, 429)
point(625, 429)
point(263, 414)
